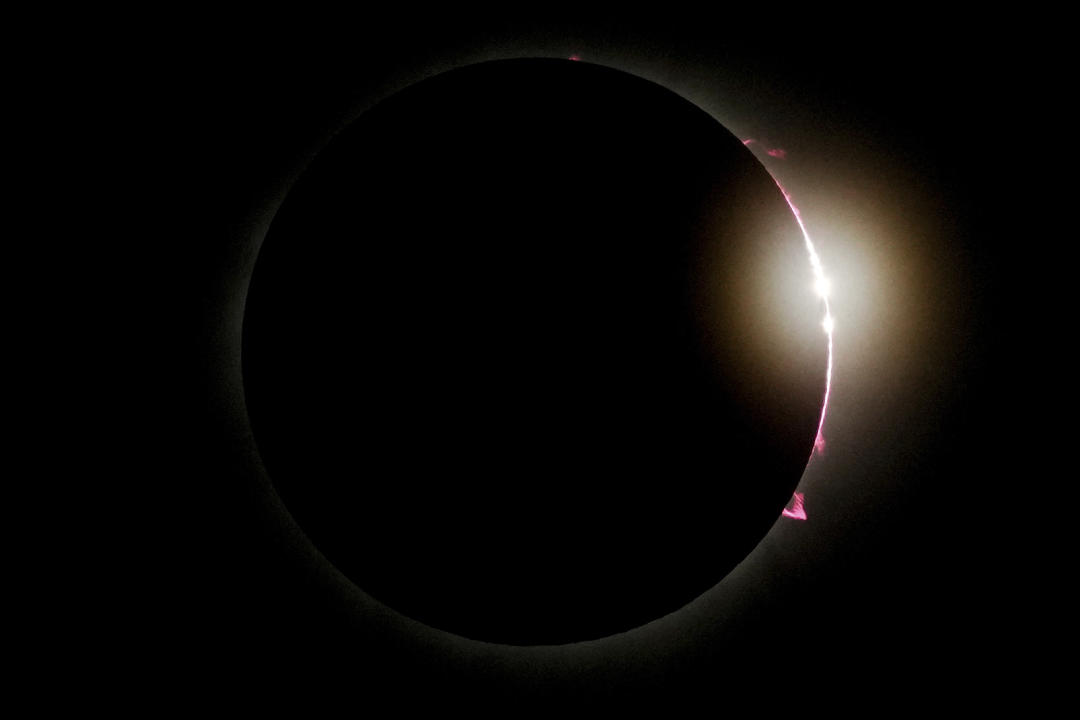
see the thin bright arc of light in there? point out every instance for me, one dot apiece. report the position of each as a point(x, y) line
point(828, 323)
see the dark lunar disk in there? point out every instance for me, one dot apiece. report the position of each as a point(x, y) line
point(518, 357)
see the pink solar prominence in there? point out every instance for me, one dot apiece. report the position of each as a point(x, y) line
point(796, 511)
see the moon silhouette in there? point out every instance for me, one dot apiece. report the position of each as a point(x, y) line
point(516, 354)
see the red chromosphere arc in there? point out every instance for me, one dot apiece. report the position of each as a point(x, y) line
point(797, 511)
point(827, 323)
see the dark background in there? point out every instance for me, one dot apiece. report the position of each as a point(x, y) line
point(919, 579)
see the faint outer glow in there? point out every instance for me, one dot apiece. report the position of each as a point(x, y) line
point(796, 511)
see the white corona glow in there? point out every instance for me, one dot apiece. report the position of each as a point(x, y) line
point(822, 286)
